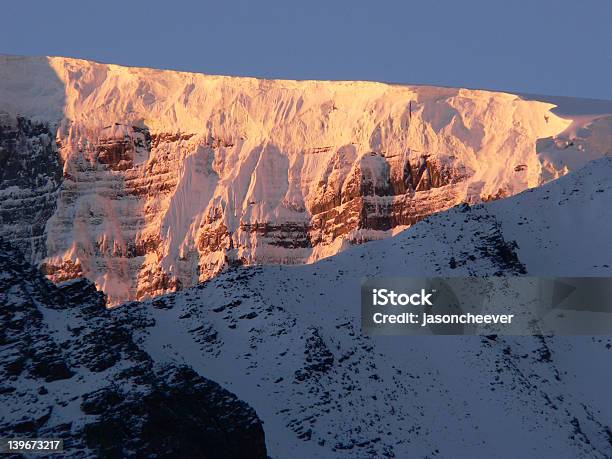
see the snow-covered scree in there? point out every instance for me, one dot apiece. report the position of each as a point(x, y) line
point(147, 181)
point(287, 340)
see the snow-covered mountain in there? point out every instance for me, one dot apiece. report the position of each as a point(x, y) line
point(287, 341)
point(146, 181)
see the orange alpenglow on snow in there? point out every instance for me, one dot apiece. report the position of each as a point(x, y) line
point(161, 179)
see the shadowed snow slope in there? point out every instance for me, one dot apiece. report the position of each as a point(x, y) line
point(287, 340)
point(147, 181)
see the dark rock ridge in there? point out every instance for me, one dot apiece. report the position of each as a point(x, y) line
point(70, 369)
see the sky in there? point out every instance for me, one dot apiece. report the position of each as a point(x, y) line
point(539, 46)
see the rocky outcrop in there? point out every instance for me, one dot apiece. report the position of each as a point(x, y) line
point(70, 369)
point(151, 181)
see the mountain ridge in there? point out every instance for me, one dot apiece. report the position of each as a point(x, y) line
point(286, 340)
point(166, 178)
point(357, 396)
point(255, 77)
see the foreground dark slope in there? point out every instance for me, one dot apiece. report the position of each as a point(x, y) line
point(287, 340)
point(70, 369)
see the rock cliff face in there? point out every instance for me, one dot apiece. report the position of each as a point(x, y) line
point(147, 181)
point(30, 177)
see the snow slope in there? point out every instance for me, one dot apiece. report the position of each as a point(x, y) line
point(169, 177)
point(287, 340)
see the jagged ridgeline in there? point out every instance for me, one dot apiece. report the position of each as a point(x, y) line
point(148, 181)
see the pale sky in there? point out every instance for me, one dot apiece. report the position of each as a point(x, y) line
point(538, 46)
